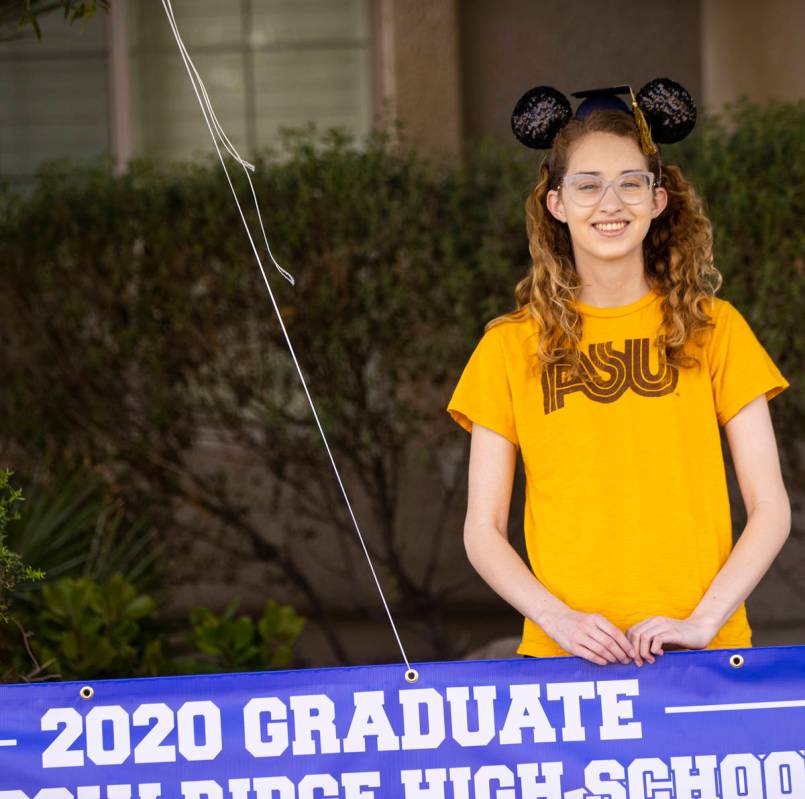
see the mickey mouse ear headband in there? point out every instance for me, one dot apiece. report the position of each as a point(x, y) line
point(664, 112)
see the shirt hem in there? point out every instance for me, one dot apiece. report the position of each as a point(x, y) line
point(769, 392)
point(466, 422)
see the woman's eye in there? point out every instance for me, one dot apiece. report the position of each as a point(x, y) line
point(588, 186)
point(630, 184)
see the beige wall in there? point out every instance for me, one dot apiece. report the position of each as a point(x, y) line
point(753, 48)
point(512, 45)
point(417, 71)
point(453, 69)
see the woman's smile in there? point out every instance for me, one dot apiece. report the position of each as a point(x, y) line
point(611, 229)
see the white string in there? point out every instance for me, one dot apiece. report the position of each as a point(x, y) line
point(217, 133)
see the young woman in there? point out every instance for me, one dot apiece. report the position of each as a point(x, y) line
point(612, 378)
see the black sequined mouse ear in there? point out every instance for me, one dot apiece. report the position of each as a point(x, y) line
point(669, 110)
point(539, 115)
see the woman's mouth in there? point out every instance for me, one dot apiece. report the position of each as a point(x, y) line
point(610, 229)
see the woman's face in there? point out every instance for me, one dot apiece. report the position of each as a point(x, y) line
point(607, 155)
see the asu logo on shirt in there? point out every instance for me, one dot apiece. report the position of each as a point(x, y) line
point(608, 373)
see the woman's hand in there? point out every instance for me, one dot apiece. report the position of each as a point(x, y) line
point(650, 635)
point(589, 636)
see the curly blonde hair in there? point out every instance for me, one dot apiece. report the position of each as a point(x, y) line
point(677, 253)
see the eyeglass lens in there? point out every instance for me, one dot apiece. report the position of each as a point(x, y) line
point(632, 188)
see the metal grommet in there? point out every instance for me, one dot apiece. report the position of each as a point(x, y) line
point(86, 692)
point(412, 675)
point(736, 661)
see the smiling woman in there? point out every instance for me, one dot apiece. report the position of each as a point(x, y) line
point(611, 378)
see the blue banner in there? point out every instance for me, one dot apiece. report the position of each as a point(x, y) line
point(719, 724)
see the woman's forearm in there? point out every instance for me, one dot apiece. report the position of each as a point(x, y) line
point(766, 530)
point(587, 635)
point(494, 558)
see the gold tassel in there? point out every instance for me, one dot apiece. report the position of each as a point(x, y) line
point(646, 143)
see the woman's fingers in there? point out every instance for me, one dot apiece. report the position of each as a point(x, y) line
point(617, 636)
point(645, 646)
point(648, 638)
point(599, 636)
point(595, 638)
point(614, 652)
point(588, 654)
point(601, 642)
point(637, 638)
point(594, 645)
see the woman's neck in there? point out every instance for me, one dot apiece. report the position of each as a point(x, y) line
point(611, 285)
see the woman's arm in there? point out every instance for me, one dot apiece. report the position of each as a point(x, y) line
point(757, 465)
point(491, 474)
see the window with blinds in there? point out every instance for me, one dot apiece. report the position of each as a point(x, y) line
point(266, 64)
point(53, 95)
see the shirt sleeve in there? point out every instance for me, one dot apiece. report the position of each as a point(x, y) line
point(740, 368)
point(483, 393)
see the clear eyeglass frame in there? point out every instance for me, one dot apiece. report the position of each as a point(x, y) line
point(599, 187)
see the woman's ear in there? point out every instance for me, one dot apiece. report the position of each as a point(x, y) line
point(659, 202)
point(555, 206)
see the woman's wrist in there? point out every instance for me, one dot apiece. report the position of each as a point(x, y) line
point(709, 622)
point(547, 608)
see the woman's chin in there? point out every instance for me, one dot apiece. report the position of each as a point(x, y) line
point(612, 250)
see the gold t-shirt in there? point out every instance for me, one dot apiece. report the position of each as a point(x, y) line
point(626, 507)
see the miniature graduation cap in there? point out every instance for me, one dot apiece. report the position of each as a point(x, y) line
point(664, 112)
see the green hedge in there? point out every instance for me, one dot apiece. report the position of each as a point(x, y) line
point(133, 316)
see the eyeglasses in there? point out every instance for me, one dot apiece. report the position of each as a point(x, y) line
point(633, 188)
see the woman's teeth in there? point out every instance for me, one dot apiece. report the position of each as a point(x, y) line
point(610, 226)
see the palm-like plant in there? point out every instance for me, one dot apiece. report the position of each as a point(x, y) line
point(73, 527)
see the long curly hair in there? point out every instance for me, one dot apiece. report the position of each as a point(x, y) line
point(677, 256)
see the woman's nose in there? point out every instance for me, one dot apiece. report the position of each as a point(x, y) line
point(610, 198)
